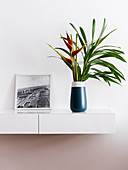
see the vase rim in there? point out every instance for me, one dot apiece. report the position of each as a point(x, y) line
point(78, 84)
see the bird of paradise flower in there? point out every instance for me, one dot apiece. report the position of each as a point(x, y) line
point(72, 61)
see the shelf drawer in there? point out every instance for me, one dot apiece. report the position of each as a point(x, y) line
point(77, 123)
point(19, 124)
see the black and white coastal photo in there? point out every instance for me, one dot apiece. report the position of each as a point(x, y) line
point(32, 92)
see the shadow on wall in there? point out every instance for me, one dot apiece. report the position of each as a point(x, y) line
point(42, 141)
point(61, 152)
point(34, 143)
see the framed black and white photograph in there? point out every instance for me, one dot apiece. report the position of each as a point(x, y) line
point(32, 92)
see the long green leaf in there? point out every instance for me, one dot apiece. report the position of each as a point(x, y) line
point(103, 28)
point(116, 51)
point(62, 49)
point(104, 51)
point(113, 56)
point(93, 29)
point(87, 76)
point(108, 65)
point(109, 78)
point(102, 39)
point(112, 46)
point(103, 54)
point(117, 73)
point(68, 64)
point(83, 34)
point(104, 73)
point(81, 41)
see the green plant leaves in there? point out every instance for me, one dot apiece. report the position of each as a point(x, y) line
point(95, 57)
point(95, 54)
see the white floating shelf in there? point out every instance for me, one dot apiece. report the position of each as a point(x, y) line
point(96, 121)
point(18, 124)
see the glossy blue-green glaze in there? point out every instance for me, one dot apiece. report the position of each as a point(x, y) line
point(78, 99)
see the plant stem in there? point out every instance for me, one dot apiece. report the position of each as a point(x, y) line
point(76, 60)
point(73, 69)
point(73, 65)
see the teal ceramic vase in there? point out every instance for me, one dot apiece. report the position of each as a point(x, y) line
point(78, 101)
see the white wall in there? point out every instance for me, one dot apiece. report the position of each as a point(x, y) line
point(26, 26)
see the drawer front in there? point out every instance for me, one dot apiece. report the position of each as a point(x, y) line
point(77, 124)
point(18, 124)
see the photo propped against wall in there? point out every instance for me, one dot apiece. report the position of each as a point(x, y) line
point(32, 92)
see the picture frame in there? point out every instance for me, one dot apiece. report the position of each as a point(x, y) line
point(33, 92)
